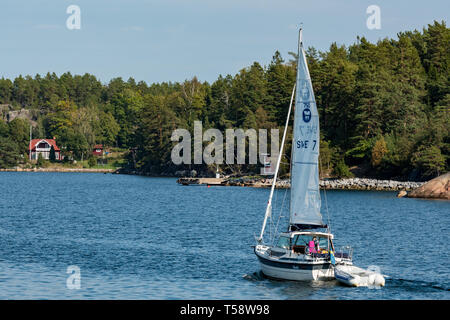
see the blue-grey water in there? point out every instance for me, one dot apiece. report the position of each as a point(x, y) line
point(148, 238)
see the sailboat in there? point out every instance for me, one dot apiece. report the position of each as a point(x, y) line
point(305, 251)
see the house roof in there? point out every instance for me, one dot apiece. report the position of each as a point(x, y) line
point(51, 142)
point(98, 146)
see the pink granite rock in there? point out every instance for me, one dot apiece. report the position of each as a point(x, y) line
point(437, 188)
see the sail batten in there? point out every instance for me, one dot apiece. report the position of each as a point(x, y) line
point(305, 196)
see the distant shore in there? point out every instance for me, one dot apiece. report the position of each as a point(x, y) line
point(327, 184)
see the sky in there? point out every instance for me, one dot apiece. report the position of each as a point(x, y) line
point(175, 40)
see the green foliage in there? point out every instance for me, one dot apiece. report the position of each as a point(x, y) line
point(61, 117)
point(153, 135)
point(429, 161)
point(92, 162)
point(4, 129)
point(9, 153)
point(379, 150)
point(334, 82)
point(280, 78)
point(326, 155)
point(52, 156)
point(341, 170)
point(107, 130)
point(396, 161)
point(362, 150)
point(19, 132)
point(398, 89)
point(40, 160)
point(125, 107)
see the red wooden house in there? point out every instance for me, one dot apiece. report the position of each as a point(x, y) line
point(43, 147)
point(97, 150)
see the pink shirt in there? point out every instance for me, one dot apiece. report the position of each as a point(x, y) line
point(312, 247)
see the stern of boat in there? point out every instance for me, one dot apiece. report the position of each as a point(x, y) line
point(281, 264)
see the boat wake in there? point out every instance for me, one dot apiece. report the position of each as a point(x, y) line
point(416, 285)
point(391, 283)
point(255, 276)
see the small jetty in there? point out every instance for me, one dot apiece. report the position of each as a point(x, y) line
point(201, 181)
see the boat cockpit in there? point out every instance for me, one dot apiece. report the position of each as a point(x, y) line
point(303, 242)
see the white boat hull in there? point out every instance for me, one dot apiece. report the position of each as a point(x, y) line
point(290, 269)
point(296, 275)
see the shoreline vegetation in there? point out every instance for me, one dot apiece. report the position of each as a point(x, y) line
point(383, 107)
point(108, 163)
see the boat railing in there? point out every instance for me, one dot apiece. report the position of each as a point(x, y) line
point(345, 253)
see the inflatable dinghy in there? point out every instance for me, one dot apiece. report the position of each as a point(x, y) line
point(357, 277)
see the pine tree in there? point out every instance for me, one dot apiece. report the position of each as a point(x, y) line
point(248, 93)
point(40, 160)
point(336, 103)
point(378, 152)
point(9, 154)
point(280, 81)
point(429, 161)
point(52, 156)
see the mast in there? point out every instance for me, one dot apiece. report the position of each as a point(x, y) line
point(269, 203)
point(300, 42)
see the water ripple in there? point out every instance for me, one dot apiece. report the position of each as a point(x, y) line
point(148, 238)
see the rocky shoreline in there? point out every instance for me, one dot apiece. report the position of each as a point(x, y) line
point(437, 188)
point(337, 184)
point(327, 184)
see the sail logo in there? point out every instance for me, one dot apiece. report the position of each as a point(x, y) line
point(304, 91)
point(306, 113)
point(304, 94)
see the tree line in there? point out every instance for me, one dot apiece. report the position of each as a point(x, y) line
point(383, 107)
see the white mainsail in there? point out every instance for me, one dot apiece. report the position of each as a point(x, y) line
point(305, 196)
